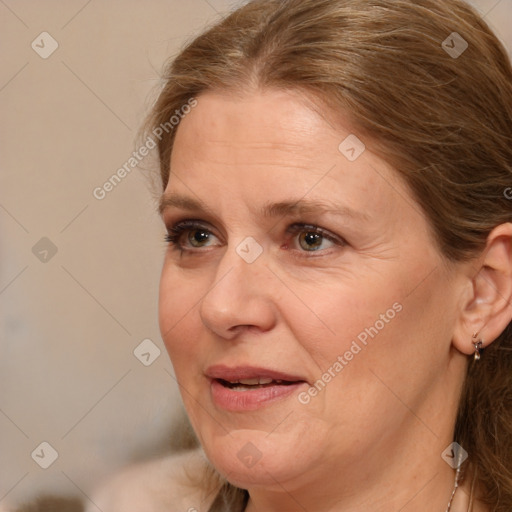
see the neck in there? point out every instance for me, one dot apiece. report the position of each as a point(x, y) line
point(404, 472)
point(420, 493)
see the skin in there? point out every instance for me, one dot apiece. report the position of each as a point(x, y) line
point(373, 438)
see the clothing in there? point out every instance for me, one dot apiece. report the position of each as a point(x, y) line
point(161, 485)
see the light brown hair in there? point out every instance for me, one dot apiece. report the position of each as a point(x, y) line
point(443, 122)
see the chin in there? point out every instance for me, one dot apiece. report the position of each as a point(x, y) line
point(249, 458)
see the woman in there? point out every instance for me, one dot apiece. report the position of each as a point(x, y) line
point(336, 294)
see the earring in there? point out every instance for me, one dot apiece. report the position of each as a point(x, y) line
point(478, 347)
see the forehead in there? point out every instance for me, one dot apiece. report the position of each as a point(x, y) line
point(272, 120)
point(276, 145)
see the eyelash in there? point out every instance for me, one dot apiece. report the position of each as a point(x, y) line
point(176, 231)
point(301, 227)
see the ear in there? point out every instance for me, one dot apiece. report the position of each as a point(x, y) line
point(487, 306)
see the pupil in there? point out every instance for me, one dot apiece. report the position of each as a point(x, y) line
point(312, 239)
point(199, 237)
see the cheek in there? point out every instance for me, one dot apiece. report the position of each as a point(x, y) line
point(177, 305)
point(400, 346)
point(354, 311)
point(386, 324)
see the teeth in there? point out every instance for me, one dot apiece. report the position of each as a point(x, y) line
point(249, 382)
point(255, 381)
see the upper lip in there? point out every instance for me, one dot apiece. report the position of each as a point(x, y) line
point(236, 373)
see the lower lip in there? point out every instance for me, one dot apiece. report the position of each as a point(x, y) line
point(252, 399)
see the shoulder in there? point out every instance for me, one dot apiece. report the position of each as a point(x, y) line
point(167, 484)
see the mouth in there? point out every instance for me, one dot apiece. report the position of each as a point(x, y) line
point(245, 388)
point(256, 383)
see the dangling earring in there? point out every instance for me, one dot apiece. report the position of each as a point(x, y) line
point(478, 347)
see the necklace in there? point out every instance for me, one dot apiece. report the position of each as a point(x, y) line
point(455, 487)
point(448, 507)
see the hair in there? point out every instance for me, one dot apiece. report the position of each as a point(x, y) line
point(53, 504)
point(444, 122)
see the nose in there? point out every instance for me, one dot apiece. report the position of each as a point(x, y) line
point(240, 297)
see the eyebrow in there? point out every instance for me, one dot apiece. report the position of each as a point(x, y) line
point(279, 209)
point(180, 201)
point(308, 206)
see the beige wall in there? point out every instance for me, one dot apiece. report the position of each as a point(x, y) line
point(69, 325)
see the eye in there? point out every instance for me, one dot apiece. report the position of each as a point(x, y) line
point(190, 235)
point(310, 238)
point(311, 241)
point(198, 237)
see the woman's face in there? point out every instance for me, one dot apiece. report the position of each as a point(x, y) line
point(304, 268)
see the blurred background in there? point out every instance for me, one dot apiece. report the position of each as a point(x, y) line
point(86, 386)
